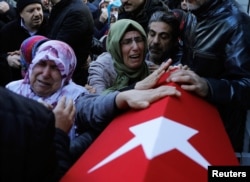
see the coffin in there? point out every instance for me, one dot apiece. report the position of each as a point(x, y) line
point(175, 139)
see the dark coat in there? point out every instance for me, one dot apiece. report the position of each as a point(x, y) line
point(71, 21)
point(31, 148)
point(11, 37)
point(216, 44)
point(9, 15)
point(144, 13)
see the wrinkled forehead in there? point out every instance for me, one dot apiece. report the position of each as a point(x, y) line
point(198, 2)
point(58, 52)
point(160, 27)
point(131, 34)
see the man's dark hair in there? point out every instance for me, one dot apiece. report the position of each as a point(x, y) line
point(168, 18)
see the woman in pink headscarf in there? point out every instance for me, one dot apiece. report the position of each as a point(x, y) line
point(48, 67)
point(48, 76)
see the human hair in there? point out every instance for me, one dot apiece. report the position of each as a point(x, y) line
point(168, 18)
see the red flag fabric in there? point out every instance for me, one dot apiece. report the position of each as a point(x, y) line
point(175, 139)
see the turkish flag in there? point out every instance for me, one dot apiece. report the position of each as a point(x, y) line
point(175, 139)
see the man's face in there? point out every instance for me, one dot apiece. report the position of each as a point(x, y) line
point(160, 41)
point(131, 5)
point(32, 16)
point(192, 4)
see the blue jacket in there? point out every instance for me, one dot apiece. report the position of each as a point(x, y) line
point(93, 113)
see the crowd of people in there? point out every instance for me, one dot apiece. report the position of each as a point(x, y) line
point(68, 67)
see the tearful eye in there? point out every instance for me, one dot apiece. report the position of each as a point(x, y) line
point(42, 63)
point(151, 33)
point(130, 40)
point(54, 67)
point(165, 36)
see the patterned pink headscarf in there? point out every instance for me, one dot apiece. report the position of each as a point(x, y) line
point(59, 52)
point(28, 49)
point(65, 59)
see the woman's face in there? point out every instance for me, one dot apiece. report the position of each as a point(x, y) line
point(45, 78)
point(132, 48)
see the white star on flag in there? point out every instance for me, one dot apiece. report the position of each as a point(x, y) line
point(162, 131)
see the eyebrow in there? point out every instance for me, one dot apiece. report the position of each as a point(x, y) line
point(152, 30)
point(132, 37)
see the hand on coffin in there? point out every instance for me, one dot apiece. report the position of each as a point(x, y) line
point(140, 99)
point(189, 81)
point(151, 80)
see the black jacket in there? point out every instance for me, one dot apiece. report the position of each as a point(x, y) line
point(9, 15)
point(71, 21)
point(216, 44)
point(31, 149)
point(11, 37)
point(143, 14)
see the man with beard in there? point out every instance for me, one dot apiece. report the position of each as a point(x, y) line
point(216, 44)
point(162, 39)
point(30, 22)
